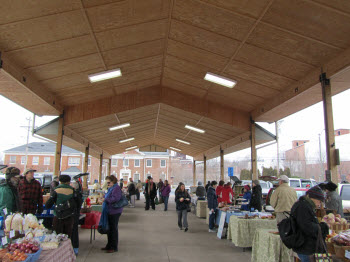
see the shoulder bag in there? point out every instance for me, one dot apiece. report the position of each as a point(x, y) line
point(318, 257)
point(121, 203)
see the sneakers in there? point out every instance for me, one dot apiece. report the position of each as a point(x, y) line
point(186, 229)
point(212, 230)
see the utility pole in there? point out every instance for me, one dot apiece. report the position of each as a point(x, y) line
point(278, 150)
point(28, 131)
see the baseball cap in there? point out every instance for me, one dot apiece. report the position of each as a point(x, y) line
point(284, 178)
point(28, 170)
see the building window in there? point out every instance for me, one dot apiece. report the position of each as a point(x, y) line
point(136, 177)
point(338, 133)
point(23, 160)
point(149, 162)
point(47, 161)
point(114, 162)
point(12, 159)
point(297, 144)
point(89, 161)
point(162, 163)
point(73, 161)
point(137, 162)
point(163, 176)
point(35, 160)
point(126, 163)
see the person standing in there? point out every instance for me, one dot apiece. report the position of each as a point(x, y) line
point(75, 231)
point(166, 189)
point(256, 201)
point(207, 186)
point(159, 187)
point(304, 212)
point(247, 196)
point(150, 194)
point(219, 189)
point(200, 191)
point(132, 192)
point(182, 199)
point(333, 200)
point(212, 205)
point(227, 193)
point(121, 183)
point(8, 191)
point(283, 198)
point(113, 195)
point(54, 184)
point(139, 189)
point(30, 193)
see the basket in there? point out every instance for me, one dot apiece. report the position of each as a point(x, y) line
point(18, 233)
point(33, 257)
point(337, 228)
point(330, 248)
point(340, 251)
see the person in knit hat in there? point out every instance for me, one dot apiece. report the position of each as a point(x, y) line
point(333, 200)
point(247, 196)
point(8, 191)
point(304, 212)
point(256, 201)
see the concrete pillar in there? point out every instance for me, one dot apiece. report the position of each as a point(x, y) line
point(221, 164)
point(253, 151)
point(331, 172)
point(194, 172)
point(86, 166)
point(205, 171)
point(100, 170)
point(59, 146)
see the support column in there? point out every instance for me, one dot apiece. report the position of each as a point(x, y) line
point(331, 172)
point(253, 151)
point(205, 171)
point(59, 146)
point(194, 173)
point(86, 166)
point(100, 171)
point(221, 164)
point(109, 167)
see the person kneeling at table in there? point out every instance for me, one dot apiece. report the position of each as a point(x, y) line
point(247, 197)
point(65, 198)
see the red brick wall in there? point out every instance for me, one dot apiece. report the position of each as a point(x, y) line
point(340, 132)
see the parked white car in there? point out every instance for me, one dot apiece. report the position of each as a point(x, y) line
point(344, 192)
point(302, 183)
point(265, 185)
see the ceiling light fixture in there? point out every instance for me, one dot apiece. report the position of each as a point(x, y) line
point(105, 75)
point(195, 129)
point(182, 141)
point(174, 148)
point(119, 126)
point(127, 140)
point(220, 80)
point(132, 147)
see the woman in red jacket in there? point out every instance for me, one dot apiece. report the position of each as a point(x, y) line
point(219, 189)
point(227, 193)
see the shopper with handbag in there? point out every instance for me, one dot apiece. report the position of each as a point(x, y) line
point(150, 194)
point(183, 201)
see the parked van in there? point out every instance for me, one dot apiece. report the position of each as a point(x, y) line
point(344, 192)
point(302, 183)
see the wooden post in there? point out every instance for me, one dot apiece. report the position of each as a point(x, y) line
point(109, 167)
point(222, 164)
point(194, 172)
point(100, 171)
point(331, 172)
point(59, 145)
point(253, 151)
point(205, 171)
point(86, 166)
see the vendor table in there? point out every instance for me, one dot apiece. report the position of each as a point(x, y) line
point(97, 208)
point(64, 253)
point(268, 247)
point(242, 231)
point(91, 219)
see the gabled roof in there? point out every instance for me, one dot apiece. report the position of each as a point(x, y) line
point(72, 170)
point(41, 147)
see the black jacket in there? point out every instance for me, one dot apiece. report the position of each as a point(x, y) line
point(256, 200)
point(182, 205)
point(153, 192)
point(308, 224)
point(212, 198)
point(132, 189)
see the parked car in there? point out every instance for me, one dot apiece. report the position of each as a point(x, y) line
point(265, 186)
point(45, 182)
point(302, 183)
point(269, 208)
point(344, 192)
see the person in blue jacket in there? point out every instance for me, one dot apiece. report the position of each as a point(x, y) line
point(212, 205)
point(247, 196)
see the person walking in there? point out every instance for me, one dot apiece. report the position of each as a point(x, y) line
point(182, 199)
point(8, 191)
point(200, 191)
point(139, 189)
point(333, 200)
point(212, 205)
point(132, 192)
point(219, 189)
point(247, 196)
point(304, 212)
point(256, 201)
point(150, 194)
point(30, 194)
point(166, 189)
point(159, 188)
point(113, 195)
point(283, 198)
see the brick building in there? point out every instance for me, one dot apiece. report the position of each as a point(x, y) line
point(135, 164)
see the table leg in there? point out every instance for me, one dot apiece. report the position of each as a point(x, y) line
point(91, 235)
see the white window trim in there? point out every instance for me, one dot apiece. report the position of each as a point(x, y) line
point(135, 163)
point(89, 162)
point(33, 163)
point(124, 163)
point(135, 180)
point(23, 162)
point(47, 157)
point(116, 162)
point(73, 164)
point(161, 163)
point(15, 159)
point(147, 162)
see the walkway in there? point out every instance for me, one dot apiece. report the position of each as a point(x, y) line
point(154, 236)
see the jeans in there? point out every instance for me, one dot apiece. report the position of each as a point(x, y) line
point(165, 200)
point(304, 258)
point(182, 218)
point(112, 234)
point(212, 217)
point(150, 200)
point(138, 195)
point(132, 200)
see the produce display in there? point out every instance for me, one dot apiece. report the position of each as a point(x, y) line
point(268, 217)
point(15, 256)
point(332, 219)
point(28, 247)
point(342, 239)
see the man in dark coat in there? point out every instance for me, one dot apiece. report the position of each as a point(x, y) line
point(305, 212)
point(212, 205)
point(256, 200)
point(207, 186)
point(150, 193)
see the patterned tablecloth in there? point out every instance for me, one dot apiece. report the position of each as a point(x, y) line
point(268, 247)
point(64, 253)
point(242, 231)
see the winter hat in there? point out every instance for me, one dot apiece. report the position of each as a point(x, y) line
point(316, 193)
point(11, 172)
point(200, 183)
point(331, 186)
point(256, 182)
point(247, 187)
point(65, 178)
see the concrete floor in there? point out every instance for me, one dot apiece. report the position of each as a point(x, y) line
point(154, 236)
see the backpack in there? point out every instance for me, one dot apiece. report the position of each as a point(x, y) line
point(66, 209)
point(290, 235)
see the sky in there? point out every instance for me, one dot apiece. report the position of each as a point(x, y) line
point(305, 124)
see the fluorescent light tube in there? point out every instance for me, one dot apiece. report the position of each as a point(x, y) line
point(132, 147)
point(119, 126)
point(127, 140)
point(182, 141)
point(220, 80)
point(105, 75)
point(195, 129)
point(174, 148)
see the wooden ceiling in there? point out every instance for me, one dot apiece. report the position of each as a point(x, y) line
point(274, 49)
